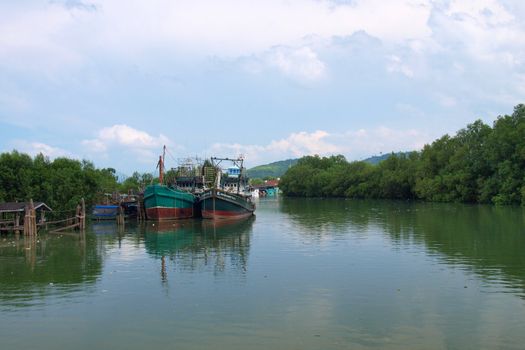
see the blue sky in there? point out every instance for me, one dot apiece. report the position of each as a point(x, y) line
point(112, 81)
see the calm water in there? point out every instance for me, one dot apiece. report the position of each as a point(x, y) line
point(304, 274)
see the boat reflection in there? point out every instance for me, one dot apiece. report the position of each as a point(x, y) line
point(191, 245)
point(104, 227)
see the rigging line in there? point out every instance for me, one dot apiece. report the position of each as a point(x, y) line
point(171, 155)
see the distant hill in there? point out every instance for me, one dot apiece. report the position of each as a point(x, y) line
point(275, 169)
point(378, 159)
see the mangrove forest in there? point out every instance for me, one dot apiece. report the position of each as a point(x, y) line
point(479, 164)
point(61, 182)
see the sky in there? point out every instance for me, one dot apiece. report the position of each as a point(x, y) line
point(113, 81)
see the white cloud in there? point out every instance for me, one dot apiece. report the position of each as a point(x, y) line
point(240, 27)
point(487, 12)
point(296, 145)
point(72, 35)
point(303, 143)
point(302, 63)
point(354, 145)
point(365, 143)
point(34, 148)
point(75, 33)
point(483, 29)
point(395, 65)
point(121, 137)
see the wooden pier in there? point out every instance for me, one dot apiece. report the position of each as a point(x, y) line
point(34, 218)
point(30, 217)
point(22, 216)
point(76, 222)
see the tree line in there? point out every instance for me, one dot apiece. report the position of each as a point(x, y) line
point(479, 164)
point(60, 183)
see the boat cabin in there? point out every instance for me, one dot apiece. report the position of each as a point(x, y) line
point(234, 171)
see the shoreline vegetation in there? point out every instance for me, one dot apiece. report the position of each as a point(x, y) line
point(479, 164)
point(60, 183)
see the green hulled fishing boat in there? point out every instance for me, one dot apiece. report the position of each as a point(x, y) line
point(163, 202)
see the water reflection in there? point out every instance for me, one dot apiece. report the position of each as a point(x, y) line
point(33, 268)
point(484, 239)
point(487, 240)
point(195, 244)
point(333, 216)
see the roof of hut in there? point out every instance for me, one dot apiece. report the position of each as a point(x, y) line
point(11, 207)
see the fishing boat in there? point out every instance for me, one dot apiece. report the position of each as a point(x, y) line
point(105, 211)
point(189, 176)
point(229, 197)
point(115, 204)
point(163, 202)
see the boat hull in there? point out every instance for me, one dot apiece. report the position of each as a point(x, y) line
point(164, 203)
point(105, 212)
point(220, 205)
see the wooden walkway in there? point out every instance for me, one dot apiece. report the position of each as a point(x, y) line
point(11, 216)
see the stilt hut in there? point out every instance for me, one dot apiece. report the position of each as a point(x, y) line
point(12, 214)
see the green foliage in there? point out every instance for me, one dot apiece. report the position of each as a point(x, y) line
point(256, 182)
point(480, 164)
point(60, 183)
point(138, 182)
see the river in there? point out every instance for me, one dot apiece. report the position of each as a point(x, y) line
point(301, 274)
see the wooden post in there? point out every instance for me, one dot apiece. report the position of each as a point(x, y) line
point(26, 221)
point(78, 212)
point(30, 219)
point(139, 210)
point(83, 220)
point(17, 222)
point(120, 214)
point(83, 224)
point(34, 228)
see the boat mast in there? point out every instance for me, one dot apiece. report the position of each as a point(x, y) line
point(160, 165)
point(241, 158)
point(237, 162)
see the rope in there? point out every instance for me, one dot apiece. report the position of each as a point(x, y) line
point(65, 228)
point(171, 155)
point(61, 211)
point(57, 221)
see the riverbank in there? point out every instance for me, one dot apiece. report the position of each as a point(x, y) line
point(480, 164)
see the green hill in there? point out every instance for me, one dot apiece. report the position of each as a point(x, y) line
point(275, 169)
point(378, 159)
